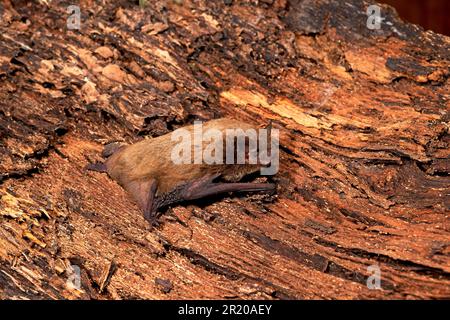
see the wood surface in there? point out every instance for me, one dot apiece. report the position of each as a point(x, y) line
point(364, 150)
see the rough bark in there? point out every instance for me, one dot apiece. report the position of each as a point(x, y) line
point(364, 123)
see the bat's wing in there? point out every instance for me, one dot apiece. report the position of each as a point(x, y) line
point(143, 192)
point(205, 187)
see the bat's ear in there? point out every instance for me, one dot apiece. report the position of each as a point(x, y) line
point(111, 148)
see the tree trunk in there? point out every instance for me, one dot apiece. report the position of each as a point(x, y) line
point(363, 185)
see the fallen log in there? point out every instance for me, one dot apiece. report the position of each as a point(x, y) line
point(363, 186)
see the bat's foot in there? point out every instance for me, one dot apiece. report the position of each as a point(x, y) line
point(98, 166)
point(151, 217)
point(153, 222)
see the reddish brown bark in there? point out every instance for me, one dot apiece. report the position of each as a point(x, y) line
point(363, 117)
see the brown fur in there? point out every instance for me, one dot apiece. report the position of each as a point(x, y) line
point(146, 170)
point(151, 159)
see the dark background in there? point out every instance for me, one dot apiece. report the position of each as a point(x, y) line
point(430, 14)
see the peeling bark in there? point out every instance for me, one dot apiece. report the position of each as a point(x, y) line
point(364, 150)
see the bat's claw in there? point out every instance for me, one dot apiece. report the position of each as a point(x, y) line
point(98, 166)
point(153, 221)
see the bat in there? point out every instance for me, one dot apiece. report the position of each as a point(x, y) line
point(147, 171)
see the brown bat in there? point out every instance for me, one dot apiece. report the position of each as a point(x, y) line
point(147, 171)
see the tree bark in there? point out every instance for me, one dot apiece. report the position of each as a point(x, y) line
point(364, 150)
